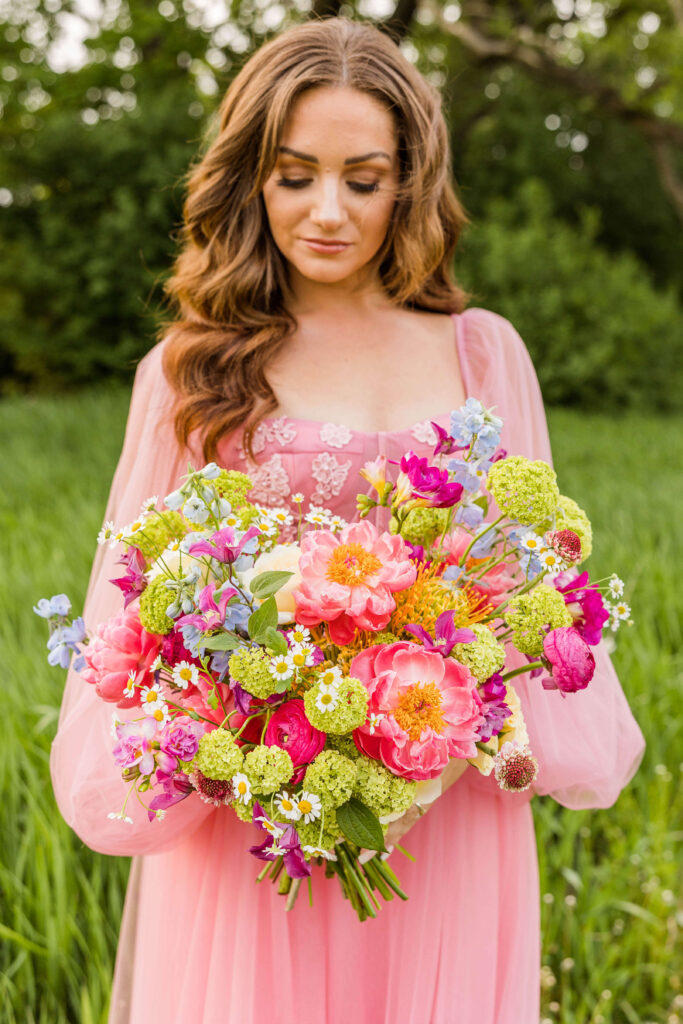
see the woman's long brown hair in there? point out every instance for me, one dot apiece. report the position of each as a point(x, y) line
point(229, 281)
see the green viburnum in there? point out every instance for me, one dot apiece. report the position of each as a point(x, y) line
point(309, 835)
point(249, 666)
point(233, 486)
point(157, 534)
point(218, 757)
point(529, 614)
point(523, 489)
point(154, 600)
point(382, 638)
point(268, 768)
point(331, 776)
point(339, 711)
point(422, 526)
point(380, 790)
point(482, 656)
point(245, 811)
point(343, 745)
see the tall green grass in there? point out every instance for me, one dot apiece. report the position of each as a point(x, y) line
point(610, 880)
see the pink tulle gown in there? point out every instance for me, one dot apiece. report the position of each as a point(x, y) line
point(200, 942)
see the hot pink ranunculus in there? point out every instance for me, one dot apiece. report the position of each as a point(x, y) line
point(120, 647)
point(424, 709)
point(290, 729)
point(571, 659)
point(348, 579)
point(495, 584)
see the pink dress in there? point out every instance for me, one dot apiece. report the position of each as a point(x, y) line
point(200, 942)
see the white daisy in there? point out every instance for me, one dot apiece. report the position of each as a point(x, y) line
point(119, 816)
point(373, 721)
point(309, 806)
point(161, 714)
point(151, 698)
point(297, 498)
point(117, 536)
point(300, 656)
point(621, 611)
point(185, 673)
point(281, 516)
point(616, 586)
point(316, 518)
point(287, 806)
point(298, 635)
point(156, 664)
point(531, 541)
point(281, 668)
point(551, 562)
point(138, 524)
point(150, 504)
point(326, 702)
point(317, 851)
point(106, 533)
point(330, 678)
point(129, 688)
point(242, 787)
point(270, 826)
point(337, 524)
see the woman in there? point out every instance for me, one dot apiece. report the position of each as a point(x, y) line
point(318, 328)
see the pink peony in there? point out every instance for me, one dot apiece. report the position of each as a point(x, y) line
point(495, 584)
point(428, 708)
point(290, 729)
point(121, 646)
point(348, 579)
point(571, 660)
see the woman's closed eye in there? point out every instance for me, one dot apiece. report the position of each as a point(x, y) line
point(357, 186)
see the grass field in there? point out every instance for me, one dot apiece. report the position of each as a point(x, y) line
point(610, 879)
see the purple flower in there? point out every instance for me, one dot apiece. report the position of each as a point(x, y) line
point(585, 604)
point(446, 636)
point(134, 745)
point(431, 484)
point(175, 788)
point(180, 738)
point(213, 615)
point(280, 841)
point(493, 693)
point(57, 605)
point(445, 443)
point(134, 582)
point(225, 545)
point(415, 551)
point(65, 639)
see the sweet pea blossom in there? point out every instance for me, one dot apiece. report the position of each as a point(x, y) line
point(133, 583)
point(446, 636)
point(226, 545)
point(280, 841)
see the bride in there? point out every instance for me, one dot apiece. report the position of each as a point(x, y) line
point(318, 326)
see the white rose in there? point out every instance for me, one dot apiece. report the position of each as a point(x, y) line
point(283, 558)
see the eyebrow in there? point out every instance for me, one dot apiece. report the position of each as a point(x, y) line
point(351, 160)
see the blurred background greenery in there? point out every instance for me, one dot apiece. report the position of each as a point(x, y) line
point(566, 128)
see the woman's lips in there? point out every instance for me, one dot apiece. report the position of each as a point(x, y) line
point(326, 247)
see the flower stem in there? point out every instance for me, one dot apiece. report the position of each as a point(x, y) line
point(523, 668)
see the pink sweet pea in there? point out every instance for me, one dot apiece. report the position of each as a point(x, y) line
point(120, 648)
point(571, 660)
point(423, 710)
point(348, 579)
point(133, 747)
point(225, 545)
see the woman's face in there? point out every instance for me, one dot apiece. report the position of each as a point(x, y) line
point(334, 181)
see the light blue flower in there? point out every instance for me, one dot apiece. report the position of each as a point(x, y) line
point(469, 513)
point(482, 546)
point(471, 474)
point(192, 637)
point(63, 640)
point(57, 605)
point(452, 573)
point(237, 615)
point(195, 510)
point(219, 663)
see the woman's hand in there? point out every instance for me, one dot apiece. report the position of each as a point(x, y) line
point(397, 829)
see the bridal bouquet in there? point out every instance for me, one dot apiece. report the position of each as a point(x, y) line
point(318, 676)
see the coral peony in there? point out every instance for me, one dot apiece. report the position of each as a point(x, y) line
point(571, 660)
point(121, 647)
point(348, 579)
point(423, 709)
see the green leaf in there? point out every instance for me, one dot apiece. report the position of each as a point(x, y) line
point(275, 641)
point(261, 619)
point(360, 825)
point(267, 583)
point(222, 642)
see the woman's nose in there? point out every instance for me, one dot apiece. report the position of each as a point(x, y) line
point(328, 209)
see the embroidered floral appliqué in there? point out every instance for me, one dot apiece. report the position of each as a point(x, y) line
point(424, 432)
point(271, 483)
point(329, 475)
point(280, 430)
point(335, 435)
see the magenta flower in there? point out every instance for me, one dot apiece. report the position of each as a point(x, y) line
point(445, 443)
point(224, 545)
point(585, 604)
point(348, 579)
point(180, 738)
point(430, 484)
point(290, 729)
point(571, 660)
point(174, 650)
point(493, 693)
point(280, 841)
point(175, 788)
point(121, 650)
point(134, 582)
point(446, 636)
point(213, 615)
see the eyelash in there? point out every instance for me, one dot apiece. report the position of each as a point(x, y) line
point(357, 186)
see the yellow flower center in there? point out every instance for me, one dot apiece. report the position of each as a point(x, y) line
point(326, 698)
point(241, 788)
point(185, 673)
point(418, 708)
point(351, 565)
point(287, 805)
point(299, 659)
point(305, 806)
point(327, 678)
point(151, 697)
point(158, 714)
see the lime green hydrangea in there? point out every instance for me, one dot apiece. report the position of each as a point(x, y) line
point(244, 811)
point(233, 486)
point(523, 489)
point(218, 756)
point(158, 533)
point(343, 745)
point(381, 790)
point(268, 768)
point(310, 835)
point(337, 711)
point(249, 666)
point(331, 776)
point(482, 656)
point(528, 614)
point(422, 525)
point(154, 600)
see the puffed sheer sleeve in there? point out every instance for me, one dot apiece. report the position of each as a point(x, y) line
point(86, 782)
point(588, 743)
